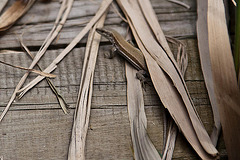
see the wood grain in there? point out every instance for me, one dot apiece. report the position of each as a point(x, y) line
point(40, 19)
point(35, 127)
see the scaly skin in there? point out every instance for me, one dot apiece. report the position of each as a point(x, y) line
point(129, 52)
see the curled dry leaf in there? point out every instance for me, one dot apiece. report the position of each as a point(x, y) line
point(13, 13)
point(164, 73)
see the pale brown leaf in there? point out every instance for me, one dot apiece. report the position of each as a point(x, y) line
point(75, 41)
point(30, 70)
point(202, 35)
point(13, 13)
point(82, 112)
point(177, 100)
point(60, 99)
point(224, 77)
point(182, 61)
point(47, 42)
point(142, 145)
point(167, 62)
point(62, 14)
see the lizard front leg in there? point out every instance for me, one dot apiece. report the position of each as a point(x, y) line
point(111, 53)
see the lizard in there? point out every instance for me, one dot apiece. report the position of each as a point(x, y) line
point(128, 51)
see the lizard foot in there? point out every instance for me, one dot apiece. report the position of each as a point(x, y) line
point(143, 77)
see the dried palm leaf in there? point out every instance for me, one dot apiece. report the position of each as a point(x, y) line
point(62, 14)
point(53, 35)
point(6, 51)
point(224, 77)
point(60, 99)
point(182, 62)
point(142, 145)
point(117, 12)
point(172, 100)
point(30, 70)
point(59, 58)
point(82, 112)
point(171, 139)
point(181, 56)
point(177, 100)
point(202, 35)
point(13, 13)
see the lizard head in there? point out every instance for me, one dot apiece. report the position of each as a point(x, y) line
point(106, 33)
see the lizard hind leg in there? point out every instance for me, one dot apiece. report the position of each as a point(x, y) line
point(131, 42)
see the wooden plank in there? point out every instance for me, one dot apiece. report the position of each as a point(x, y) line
point(70, 67)
point(46, 12)
point(35, 127)
point(37, 26)
point(101, 98)
point(106, 95)
point(109, 80)
point(36, 134)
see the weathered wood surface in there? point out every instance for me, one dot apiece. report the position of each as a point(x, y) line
point(36, 128)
